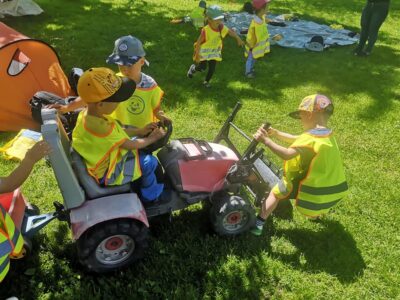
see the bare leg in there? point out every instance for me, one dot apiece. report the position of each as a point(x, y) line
point(269, 205)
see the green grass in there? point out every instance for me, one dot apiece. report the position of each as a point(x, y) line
point(352, 253)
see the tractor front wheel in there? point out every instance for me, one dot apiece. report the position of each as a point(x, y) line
point(112, 245)
point(231, 215)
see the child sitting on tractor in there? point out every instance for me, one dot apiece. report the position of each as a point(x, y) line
point(11, 240)
point(110, 156)
point(140, 112)
point(314, 174)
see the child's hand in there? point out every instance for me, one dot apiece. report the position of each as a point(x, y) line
point(164, 119)
point(272, 131)
point(157, 133)
point(39, 150)
point(261, 135)
point(59, 107)
point(148, 128)
point(240, 42)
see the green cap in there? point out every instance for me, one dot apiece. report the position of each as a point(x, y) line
point(214, 12)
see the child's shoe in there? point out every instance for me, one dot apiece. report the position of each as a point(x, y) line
point(250, 75)
point(257, 231)
point(206, 84)
point(191, 71)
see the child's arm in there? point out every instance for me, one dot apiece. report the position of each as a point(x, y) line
point(21, 173)
point(285, 153)
point(283, 136)
point(199, 41)
point(140, 143)
point(236, 37)
point(73, 105)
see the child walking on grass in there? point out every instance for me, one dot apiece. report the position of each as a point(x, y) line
point(257, 39)
point(208, 47)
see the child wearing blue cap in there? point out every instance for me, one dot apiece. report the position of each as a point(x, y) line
point(141, 111)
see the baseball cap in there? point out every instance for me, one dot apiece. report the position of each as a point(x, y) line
point(257, 4)
point(314, 103)
point(214, 12)
point(127, 51)
point(103, 85)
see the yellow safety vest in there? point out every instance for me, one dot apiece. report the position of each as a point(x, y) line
point(105, 160)
point(139, 109)
point(11, 242)
point(211, 48)
point(258, 37)
point(325, 184)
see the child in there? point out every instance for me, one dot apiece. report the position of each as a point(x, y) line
point(141, 110)
point(208, 46)
point(110, 156)
point(257, 39)
point(314, 174)
point(11, 240)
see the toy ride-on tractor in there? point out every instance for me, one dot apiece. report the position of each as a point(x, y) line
point(110, 224)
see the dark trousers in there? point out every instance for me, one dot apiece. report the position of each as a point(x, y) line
point(202, 66)
point(373, 16)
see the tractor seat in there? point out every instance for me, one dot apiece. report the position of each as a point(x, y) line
point(89, 184)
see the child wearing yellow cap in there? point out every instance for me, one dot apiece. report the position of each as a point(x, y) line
point(313, 169)
point(111, 157)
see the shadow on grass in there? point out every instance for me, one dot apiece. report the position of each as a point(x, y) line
point(330, 249)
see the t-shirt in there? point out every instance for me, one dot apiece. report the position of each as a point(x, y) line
point(139, 110)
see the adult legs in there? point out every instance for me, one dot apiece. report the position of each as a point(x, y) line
point(378, 16)
point(365, 20)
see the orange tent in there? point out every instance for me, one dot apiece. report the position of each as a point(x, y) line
point(27, 66)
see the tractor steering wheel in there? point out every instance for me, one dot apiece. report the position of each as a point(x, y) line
point(161, 142)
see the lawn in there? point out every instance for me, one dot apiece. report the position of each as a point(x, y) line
point(353, 253)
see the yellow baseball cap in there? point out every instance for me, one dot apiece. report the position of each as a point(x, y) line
point(103, 85)
point(313, 103)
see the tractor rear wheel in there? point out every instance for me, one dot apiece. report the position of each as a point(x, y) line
point(112, 245)
point(231, 215)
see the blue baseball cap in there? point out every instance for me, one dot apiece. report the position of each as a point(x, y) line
point(128, 50)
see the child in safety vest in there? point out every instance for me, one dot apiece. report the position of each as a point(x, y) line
point(208, 47)
point(257, 39)
point(313, 168)
point(11, 240)
point(141, 111)
point(110, 156)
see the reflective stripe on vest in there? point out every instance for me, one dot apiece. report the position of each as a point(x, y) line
point(212, 46)
point(260, 36)
point(325, 183)
point(107, 149)
point(11, 241)
point(4, 266)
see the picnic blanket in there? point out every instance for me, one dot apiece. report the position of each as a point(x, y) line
point(295, 33)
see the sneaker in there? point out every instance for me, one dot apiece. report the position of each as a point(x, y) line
point(256, 231)
point(250, 75)
point(191, 71)
point(359, 52)
point(206, 84)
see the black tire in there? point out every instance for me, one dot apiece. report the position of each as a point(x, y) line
point(112, 245)
point(231, 215)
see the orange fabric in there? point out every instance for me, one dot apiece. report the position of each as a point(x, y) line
point(42, 73)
